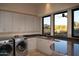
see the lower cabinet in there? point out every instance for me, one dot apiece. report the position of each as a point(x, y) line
point(43, 45)
point(39, 44)
point(31, 44)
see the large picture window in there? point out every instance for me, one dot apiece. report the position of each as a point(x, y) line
point(60, 24)
point(46, 25)
point(75, 22)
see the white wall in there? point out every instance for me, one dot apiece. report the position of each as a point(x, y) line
point(69, 23)
point(15, 23)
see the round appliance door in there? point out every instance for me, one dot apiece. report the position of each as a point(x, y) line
point(21, 46)
point(5, 50)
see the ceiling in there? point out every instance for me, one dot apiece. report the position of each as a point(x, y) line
point(38, 9)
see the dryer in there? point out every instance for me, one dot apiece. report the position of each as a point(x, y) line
point(20, 46)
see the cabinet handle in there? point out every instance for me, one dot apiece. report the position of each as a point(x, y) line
point(52, 46)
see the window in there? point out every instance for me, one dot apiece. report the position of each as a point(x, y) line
point(46, 25)
point(75, 22)
point(60, 24)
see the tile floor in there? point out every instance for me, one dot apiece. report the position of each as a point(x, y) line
point(36, 53)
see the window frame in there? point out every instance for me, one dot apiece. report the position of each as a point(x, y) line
point(73, 22)
point(54, 23)
point(43, 24)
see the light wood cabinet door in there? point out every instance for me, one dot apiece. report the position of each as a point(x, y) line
point(18, 23)
point(43, 45)
point(31, 42)
point(5, 21)
point(14, 22)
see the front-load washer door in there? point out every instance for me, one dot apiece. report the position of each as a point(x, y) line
point(5, 50)
point(21, 46)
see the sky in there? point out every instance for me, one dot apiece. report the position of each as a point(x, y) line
point(59, 20)
point(47, 20)
point(76, 16)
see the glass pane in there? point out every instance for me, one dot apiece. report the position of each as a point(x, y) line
point(76, 23)
point(47, 25)
point(61, 24)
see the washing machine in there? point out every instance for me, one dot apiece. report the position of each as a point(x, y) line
point(20, 46)
point(6, 47)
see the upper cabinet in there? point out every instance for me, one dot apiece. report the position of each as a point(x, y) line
point(5, 21)
point(18, 23)
point(15, 22)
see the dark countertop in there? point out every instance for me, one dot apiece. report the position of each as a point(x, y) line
point(50, 37)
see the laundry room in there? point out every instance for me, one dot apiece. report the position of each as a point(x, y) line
point(39, 29)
